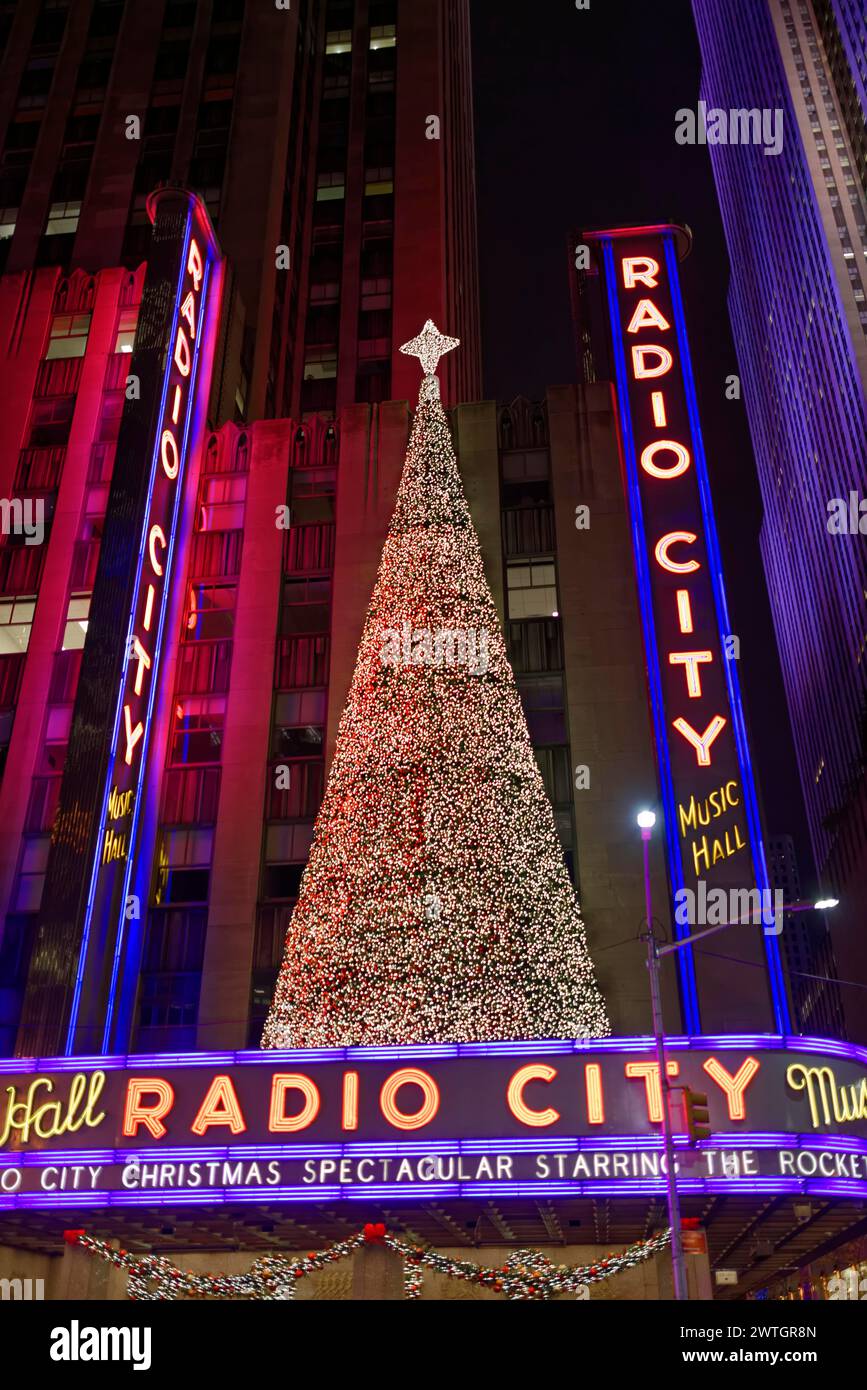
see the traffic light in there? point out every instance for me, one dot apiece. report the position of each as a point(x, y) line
point(697, 1115)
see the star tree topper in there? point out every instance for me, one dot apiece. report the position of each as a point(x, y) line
point(429, 347)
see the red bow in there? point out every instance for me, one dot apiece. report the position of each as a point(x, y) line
point(72, 1237)
point(374, 1234)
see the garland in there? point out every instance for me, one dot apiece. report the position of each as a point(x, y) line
point(526, 1275)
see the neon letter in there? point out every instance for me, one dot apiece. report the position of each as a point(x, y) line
point(409, 1076)
point(595, 1100)
point(681, 459)
point(657, 400)
point(194, 265)
point(734, 1086)
point(632, 275)
point(168, 446)
point(158, 537)
point(652, 1089)
point(701, 742)
point(182, 352)
point(132, 734)
point(646, 316)
point(220, 1107)
point(278, 1121)
point(188, 312)
point(515, 1096)
point(691, 660)
point(640, 351)
point(350, 1100)
point(144, 663)
point(676, 566)
point(684, 610)
point(151, 1116)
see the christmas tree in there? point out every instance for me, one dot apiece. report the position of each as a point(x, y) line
point(435, 905)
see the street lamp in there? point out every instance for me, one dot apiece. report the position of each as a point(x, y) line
point(646, 820)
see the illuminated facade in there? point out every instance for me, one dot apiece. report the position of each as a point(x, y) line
point(307, 131)
point(796, 227)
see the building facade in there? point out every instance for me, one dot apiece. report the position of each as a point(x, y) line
point(331, 143)
point(796, 226)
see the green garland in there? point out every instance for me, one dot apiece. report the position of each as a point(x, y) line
point(526, 1275)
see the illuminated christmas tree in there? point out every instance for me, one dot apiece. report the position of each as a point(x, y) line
point(435, 906)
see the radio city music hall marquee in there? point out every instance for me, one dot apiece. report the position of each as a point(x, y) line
point(557, 1118)
point(710, 806)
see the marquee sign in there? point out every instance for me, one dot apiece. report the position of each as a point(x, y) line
point(483, 1119)
point(711, 812)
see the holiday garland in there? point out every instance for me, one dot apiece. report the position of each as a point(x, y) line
point(527, 1275)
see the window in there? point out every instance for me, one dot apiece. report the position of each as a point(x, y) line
point(338, 41)
point(325, 293)
point(210, 612)
point(330, 186)
point(298, 741)
point(288, 843)
point(76, 622)
point(8, 218)
point(301, 661)
point(301, 798)
point(532, 591)
point(222, 504)
point(383, 36)
point(50, 421)
point(536, 646)
point(320, 364)
point(378, 180)
point(198, 730)
point(543, 706)
point(16, 620)
point(203, 668)
point(31, 875)
point(183, 864)
point(68, 336)
point(126, 326)
point(306, 605)
point(63, 217)
point(190, 797)
point(376, 293)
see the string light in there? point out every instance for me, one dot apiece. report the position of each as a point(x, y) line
point(527, 1275)
point(435, 905)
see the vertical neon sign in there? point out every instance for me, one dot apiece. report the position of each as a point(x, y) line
point(713, 830)
point(103, 935)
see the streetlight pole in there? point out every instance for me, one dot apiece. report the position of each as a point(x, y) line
point(646, 821)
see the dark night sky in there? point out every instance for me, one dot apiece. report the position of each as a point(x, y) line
point(575, 115)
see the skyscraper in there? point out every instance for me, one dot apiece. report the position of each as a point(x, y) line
point(796, 226)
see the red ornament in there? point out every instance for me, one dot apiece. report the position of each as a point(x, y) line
point(374, 1233)
point(73, 1237)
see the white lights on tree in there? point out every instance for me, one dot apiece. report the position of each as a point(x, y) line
point(435, 905)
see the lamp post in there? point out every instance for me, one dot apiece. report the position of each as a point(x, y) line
point(646, 821)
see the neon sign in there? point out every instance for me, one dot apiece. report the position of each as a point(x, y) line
point(712, 822)
point(104, 939)
point(579, 1118)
